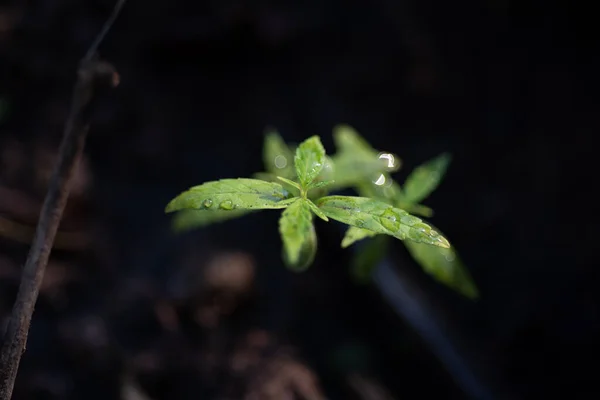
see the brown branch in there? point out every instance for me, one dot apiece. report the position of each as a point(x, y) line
point(91, 75)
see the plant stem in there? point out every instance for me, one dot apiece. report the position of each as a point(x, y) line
point(92, 74)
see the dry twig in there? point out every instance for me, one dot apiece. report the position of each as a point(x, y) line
point(91, 75)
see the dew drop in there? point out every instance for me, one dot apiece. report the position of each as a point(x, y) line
point(420, 232)
point(422, 228)
point(415, 234)
point(390, 220)
point(226, 205)
point(409, 220)
point(207, 203)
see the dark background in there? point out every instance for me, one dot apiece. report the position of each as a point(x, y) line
point(507, 87)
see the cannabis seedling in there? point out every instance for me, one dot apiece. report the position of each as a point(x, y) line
point(312, 168)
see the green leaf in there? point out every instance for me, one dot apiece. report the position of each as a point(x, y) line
point(388, 193)
point(425, 179)
point(289, 182)
point(327, 172)
point(418, 209)
point(269, 177)
point(265, 176)
point(277, 156)
point(366, 259)
point(356, 161)
point(316, 210)
point(230, 194)
point(392, 193)
point(354, 234)
point(379, 217)
point(186, 220)
point(445, 266)
point(347, 138)
point(318, 185)
point(322, 184)
point(309, 160)
point(298, 235)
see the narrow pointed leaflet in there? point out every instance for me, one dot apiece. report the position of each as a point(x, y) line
point(445, 266)
point(298, 235)
point(230, 194)
point(354, 234)
point(425, 179)
point(309, 160)
point(379, 217)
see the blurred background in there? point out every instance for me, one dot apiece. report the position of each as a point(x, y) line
point(130, 311)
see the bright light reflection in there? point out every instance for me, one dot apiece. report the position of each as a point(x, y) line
point(380, 181)
point(391, 161)
point(280, 161)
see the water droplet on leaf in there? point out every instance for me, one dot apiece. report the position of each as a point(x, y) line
point(207, 203)
point(422, 228)
point(390, 220)
point(226, 205)
point(409, 220)
point(419, 232)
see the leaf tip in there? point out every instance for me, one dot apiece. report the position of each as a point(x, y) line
point(442, 242)
point(172, 206)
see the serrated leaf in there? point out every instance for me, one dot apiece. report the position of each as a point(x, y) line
point(277, 156)
point(425, 179)
point(445, 266)
point(354, 234)
point(298, 235)
point(379, 217)
point(186, 220)
point(309, 160)
point(230, 194)
point(322, 184)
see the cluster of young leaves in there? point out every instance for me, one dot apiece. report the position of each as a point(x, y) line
point(443, 263)
point(299, 179)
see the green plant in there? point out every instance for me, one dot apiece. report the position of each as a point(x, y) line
point(299, 180)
